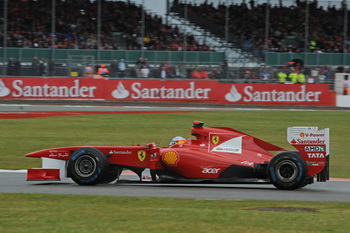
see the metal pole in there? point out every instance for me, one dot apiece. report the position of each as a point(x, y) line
point(53, 28)
point(267, 26)
point(185, 32)
point(142, 28)
point(306, 39)
point(226, 24)
point(98, 29)
point(345, 30)
point(5, 37)
point(167, 12)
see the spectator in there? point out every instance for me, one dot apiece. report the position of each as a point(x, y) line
point(18, 67)
point(88, 71)
point(114, 68)
point(42, 71)
point(163, 73)
point(11, 66)
point(50, 67)
point(103, 71)
point(144, 72)
point(346, 85)
point(195, 74)
point(35, 67)
point(203, 73)
point(121, 68)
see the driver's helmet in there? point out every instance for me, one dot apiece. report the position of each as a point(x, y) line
point(178, 140)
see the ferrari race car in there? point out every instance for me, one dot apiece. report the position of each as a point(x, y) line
point(218, 154)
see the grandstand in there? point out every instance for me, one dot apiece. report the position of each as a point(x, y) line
point(238, 39)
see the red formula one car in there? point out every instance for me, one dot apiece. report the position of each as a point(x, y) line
point(218, 154)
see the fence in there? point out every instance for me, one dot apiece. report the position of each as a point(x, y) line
point(314, 59)
point(105, 56)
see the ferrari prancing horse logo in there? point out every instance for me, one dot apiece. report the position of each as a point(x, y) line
point(142, 155)
point(215, 139)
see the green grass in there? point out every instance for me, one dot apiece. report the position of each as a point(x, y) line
point(84, 213)
point(21, 136)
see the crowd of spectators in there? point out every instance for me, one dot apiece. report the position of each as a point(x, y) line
point(30, 26)
point(286, 25)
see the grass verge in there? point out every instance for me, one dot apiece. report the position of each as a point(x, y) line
point(86, 213)
point(21, 136)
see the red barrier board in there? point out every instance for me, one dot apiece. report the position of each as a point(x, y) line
point(166, 90)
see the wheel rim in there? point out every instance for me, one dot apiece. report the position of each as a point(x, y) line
point(286, 171)
point(85, 166)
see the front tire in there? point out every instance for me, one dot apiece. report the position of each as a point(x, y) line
point(287, 171)
point(87, 166)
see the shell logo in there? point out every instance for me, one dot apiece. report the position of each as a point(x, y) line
point(171, 158)
point(302, 135)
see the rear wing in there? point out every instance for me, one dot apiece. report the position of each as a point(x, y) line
point(313, 145)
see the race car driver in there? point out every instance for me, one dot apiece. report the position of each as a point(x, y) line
point(178, 140)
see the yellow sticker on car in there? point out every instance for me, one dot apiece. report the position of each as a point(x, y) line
point(215, 139)
point(171, 158)
point(142, 155)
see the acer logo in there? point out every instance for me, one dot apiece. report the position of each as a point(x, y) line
point(315, 155)
point(211, 170)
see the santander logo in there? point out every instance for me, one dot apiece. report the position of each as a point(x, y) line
point(249, 94)
point(120, 92)
point(233, 95)
point(4, 91)
point(140, 90)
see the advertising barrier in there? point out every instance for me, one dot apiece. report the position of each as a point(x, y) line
point(205, 91)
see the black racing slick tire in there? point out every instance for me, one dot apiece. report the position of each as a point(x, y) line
point(87, 166)
point(287, 171)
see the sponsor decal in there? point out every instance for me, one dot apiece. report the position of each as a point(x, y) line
point(45, 90)
point(211, 170)
point(141, 155)
point(251, 95)
point(247, 163)
point(233, 145)
point(139, 92)
point(215, 139)
point(315, 163)
point(118, 152)
point(233, 95)
point(308, 141)
point(315, 155)
point(312, 135)
point(120, 92)
point(171, 158)
point(58, 153)
point(4, 91)
point(314, 148)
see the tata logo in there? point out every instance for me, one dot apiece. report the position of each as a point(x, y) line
point(315, 155)
point(211, 170)
point(314, 148)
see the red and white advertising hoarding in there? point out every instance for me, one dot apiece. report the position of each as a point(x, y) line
point(166, 90)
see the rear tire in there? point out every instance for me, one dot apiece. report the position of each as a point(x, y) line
point(287, 171)
point(87, 166)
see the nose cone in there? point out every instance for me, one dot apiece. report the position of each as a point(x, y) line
point(38, 154)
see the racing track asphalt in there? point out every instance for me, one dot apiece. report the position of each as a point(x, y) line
point(15, 181)
point(336, 191)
